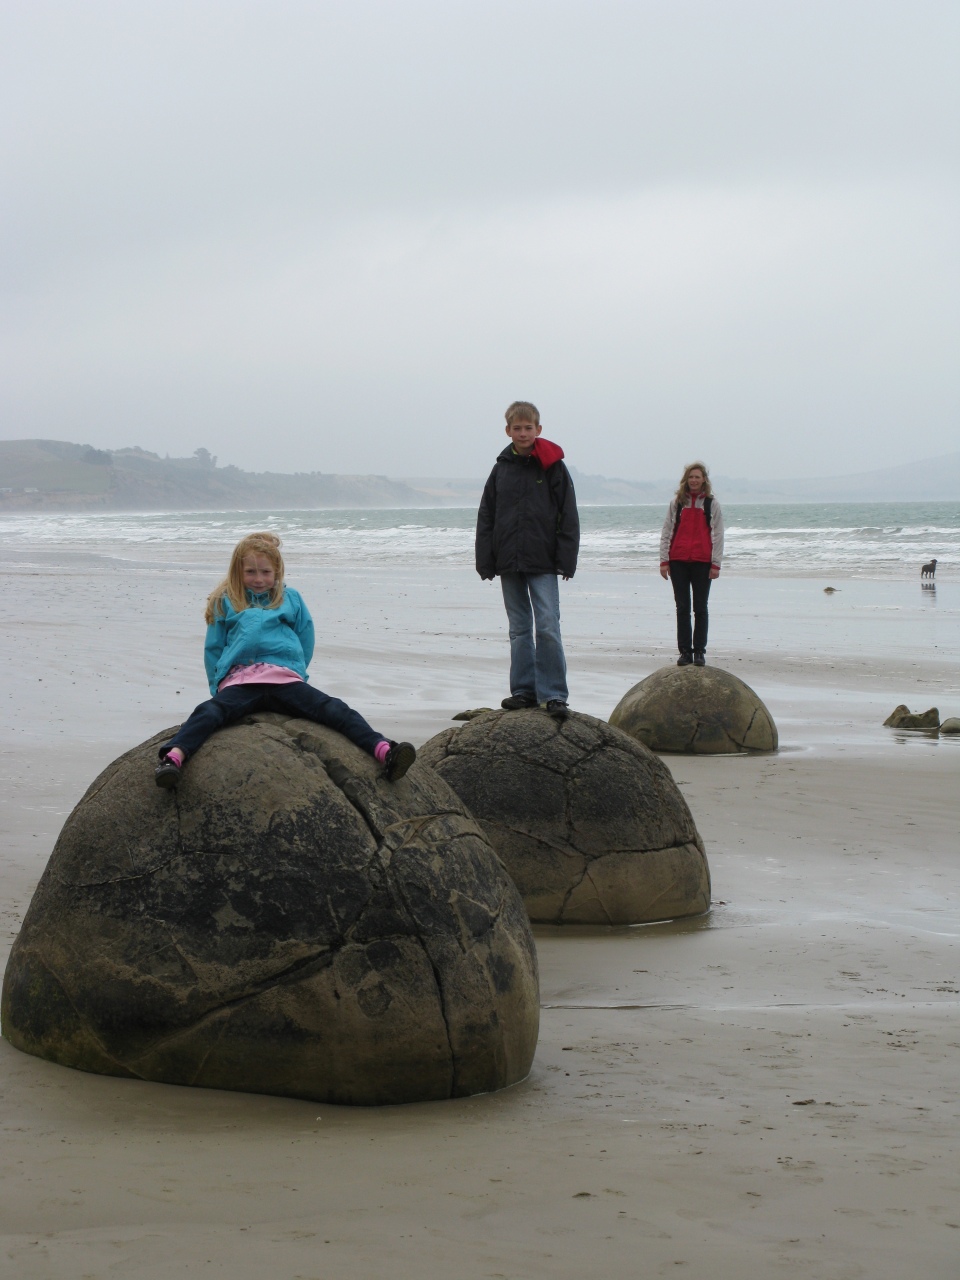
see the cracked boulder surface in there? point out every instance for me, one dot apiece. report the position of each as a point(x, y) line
point(589, 823)
point(284, 922)
point(696, 710)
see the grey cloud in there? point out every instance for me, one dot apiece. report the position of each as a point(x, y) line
point(729, 224)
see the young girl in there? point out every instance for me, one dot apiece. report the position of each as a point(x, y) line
point(691, 550)
point(258, 647)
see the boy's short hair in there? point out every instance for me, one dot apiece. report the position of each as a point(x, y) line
point(523, 411)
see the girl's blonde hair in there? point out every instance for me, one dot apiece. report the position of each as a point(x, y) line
point(683, 493)
point(232, 588)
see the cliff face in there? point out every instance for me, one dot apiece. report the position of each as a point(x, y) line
point(56, 475)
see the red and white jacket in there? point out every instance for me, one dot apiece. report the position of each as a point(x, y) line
point(694, 539)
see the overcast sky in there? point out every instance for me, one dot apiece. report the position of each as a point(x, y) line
point(343, 236)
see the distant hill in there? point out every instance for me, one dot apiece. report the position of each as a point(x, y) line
point(930, 480)
point(592, 490)
point(55, 475)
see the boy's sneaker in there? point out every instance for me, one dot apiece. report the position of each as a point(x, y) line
point(685, 659)
point(558, 709)
point(699, 658)
point(398, 760)
point(167, 774)
point(518, 702)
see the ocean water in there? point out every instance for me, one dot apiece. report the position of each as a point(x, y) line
point(106, 638)
point(872, 540)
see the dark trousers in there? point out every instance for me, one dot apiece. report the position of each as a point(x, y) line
point(691, 576)
point(300, 700)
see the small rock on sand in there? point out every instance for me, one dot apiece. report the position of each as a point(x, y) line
point(903, 718)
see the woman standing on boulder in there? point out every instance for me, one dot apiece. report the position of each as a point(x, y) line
point(691, 550)
point(258, 647)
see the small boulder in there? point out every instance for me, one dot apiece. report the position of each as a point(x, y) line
point(951, 725)
point(285, 922)
point(903, 718)
point(696, 710)
point(590, 824)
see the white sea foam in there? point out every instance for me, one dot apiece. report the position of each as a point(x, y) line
point(882, 539)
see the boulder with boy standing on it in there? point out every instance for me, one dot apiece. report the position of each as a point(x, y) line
point(589, 824)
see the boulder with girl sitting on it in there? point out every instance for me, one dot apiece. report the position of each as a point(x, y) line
point(286, 922)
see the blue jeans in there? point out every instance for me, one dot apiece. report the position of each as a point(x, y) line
point(300, 700)
point(537, 669)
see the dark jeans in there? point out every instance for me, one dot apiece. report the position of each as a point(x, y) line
point(687, 576)
point(300, 700)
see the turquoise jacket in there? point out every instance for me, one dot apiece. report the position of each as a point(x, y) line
point(283, 636)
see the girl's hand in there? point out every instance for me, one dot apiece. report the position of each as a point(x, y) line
point(664, 571)
point(714, 571)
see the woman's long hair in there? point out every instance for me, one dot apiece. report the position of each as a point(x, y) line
point(683, 493)
point(232, 588)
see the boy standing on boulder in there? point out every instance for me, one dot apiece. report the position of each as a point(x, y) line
point(528, 533)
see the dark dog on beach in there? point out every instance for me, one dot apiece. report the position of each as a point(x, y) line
point(928, 570)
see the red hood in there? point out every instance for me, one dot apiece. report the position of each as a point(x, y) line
point(546, 452)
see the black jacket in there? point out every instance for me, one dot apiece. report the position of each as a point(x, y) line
point(528, 522)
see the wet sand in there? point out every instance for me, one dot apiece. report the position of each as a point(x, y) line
point(768, 1090)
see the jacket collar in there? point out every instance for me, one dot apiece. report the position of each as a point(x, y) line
point(544, 451)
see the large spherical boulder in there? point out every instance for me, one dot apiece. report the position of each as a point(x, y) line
point(697, 710)
point(285, 922)
point(590, 825)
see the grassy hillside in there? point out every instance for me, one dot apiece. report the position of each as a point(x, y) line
point(53, 474)
point(54, 467)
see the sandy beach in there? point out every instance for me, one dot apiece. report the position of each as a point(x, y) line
point(769, 1090)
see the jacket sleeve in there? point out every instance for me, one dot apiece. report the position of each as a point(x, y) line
point(302, 624)
point(213, 648)
point(716, 533)
point(666, 534)
point(486, 519)
point(568, 521)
